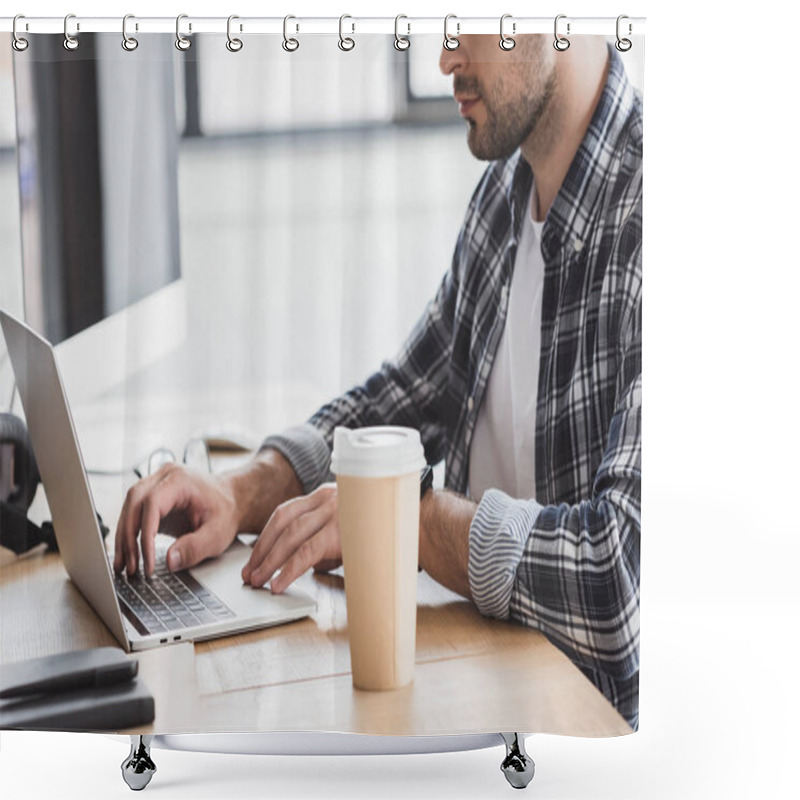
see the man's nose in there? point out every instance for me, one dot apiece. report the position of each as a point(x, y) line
point(451, 60)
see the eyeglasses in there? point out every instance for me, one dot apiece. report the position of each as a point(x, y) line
point(195, 456)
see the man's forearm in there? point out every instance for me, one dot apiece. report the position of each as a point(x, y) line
point(260, 486)
point(445, 519)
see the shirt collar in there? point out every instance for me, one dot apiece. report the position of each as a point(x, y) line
point(572, 213)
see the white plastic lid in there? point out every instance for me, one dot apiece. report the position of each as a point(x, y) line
point(380, 452)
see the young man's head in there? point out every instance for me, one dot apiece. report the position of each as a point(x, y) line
point(503, 95)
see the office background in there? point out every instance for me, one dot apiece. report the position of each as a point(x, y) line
point(720, 602)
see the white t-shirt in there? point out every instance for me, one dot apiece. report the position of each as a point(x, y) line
point(502, 453)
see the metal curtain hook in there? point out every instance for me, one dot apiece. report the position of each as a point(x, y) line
point(128, 42)
point(181, 42)
point(18, 43)
point(560, 43)
point(70, 42)
point(451, 42)
point(623, 45)
point(289, 44)
point(234, 45)
point(345, 42)
point(506, 42)
point(401, 42)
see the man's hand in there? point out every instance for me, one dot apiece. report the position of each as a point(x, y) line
point(301, 533)
point(205, 511)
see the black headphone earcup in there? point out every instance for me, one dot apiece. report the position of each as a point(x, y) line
point(26, 471)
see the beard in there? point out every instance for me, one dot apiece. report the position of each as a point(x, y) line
point(510, 119)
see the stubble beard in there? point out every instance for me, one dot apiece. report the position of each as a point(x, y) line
point(509, 121)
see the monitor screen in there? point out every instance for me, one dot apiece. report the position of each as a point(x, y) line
point(97, 153)
point(98, 184)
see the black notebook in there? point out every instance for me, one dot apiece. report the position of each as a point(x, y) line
point(105, 708)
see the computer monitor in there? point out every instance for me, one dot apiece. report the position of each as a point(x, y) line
point(97, 151)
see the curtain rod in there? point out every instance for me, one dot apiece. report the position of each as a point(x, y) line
point(326, 25)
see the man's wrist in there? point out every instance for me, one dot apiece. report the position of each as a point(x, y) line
point(498, 535)
point(444, 522)
point(259, 487)
point(425, 511)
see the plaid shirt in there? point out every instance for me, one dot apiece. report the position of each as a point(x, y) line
point(566, 562)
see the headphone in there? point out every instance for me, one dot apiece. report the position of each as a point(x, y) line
point(19, 479)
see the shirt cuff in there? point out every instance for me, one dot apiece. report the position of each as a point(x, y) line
point(497, 537)
point(305, 448)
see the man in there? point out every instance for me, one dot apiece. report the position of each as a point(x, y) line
point(524, 374)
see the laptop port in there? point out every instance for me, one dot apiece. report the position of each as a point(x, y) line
point(175, 638)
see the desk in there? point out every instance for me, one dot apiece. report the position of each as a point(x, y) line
point(472, 675)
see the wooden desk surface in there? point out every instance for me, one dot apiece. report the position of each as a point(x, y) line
point(472, 674)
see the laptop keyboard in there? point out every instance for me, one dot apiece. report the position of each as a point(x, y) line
point(167, 601)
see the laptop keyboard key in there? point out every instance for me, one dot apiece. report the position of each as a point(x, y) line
point(168, 601)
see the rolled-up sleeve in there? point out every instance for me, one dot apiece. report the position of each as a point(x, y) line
point(305, 448)
point(497, 537)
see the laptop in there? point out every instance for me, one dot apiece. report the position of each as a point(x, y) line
point(205, 602)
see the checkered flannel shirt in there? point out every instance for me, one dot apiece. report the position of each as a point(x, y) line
point(567, 561)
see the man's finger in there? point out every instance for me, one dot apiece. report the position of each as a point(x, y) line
point(283, 516)
point(308, 554)
point(129, 522)
point(192, 548)
point(155, 506)
point(327, 564)
point(293, 536)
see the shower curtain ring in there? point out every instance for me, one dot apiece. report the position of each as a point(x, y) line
point(345, 42)
point(506, 42)
point(401, 42)
point(70, 42)
point(18, 43)
point(623, 45)
point(128, 42)
point(561, 43)
point(290, 44)
point(181, 41)
point(234, 45)
point(451, 42)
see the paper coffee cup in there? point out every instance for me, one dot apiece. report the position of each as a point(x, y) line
point(377, 478)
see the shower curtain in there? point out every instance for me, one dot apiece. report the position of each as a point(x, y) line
point(239, 242)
